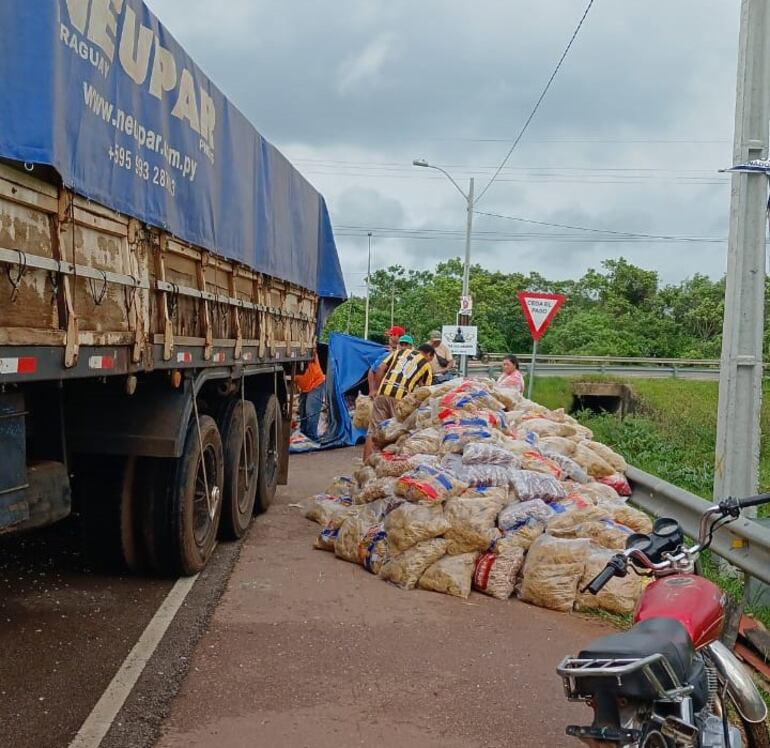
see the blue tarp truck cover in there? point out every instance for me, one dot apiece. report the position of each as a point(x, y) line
point(99, 90)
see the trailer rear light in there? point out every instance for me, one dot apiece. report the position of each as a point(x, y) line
point(248, 356)
point(218, 357)
point(101, 362)
point(184, 357)
point(20, 365)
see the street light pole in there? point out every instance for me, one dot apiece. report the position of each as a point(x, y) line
point(469, 199)
point(368, 273)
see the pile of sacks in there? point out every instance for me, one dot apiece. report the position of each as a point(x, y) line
point(475, 487)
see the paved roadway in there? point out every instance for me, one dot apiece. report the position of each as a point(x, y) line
point(302, 649)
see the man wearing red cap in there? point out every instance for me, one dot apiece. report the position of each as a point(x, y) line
point(392, 335)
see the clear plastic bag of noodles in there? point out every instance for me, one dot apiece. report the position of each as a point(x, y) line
point(593, 491)
point(511, 515)
point(619, 595)
point(628, 516)
point(356, 526)
point(608, 455)
point(321, 508)
point(498, 494)
point(341, 485)
point(470, 397)
point(483, 475)
point(566, 524)
point(538, 463)
point(426, 441)
point(457, 437)
point(606, 533)
point(379, 488)
point(373, 549)
point(569, 468)
point(558, 445)
point(362, 412)
point(487, 454)
point(510, 398)
point(471, 524)
point(528, 485)
point(406, 406)
point(428, 485)
point(392, 466)
point(365, 474)
point(619, 482)
point(552, 572)
point(405, 569)
point(595, 465)
point(521, 535)
point(496, 573)
point(388, 432)
point(410, 524)
point(545, 427)
point(451, 575)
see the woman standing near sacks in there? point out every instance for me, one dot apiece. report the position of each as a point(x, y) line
point(511, 377)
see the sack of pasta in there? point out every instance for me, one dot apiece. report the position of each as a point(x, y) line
point(409, 403)
point(552, 572)
point(425, 441)
point(363, 412)
point(391, 466)
point(619, 595)
point(373, 549)
point(528, 485)
point(558, 444)
point(512, 514)
point(619, 482)
point(596, 493)
point(538, 463)
point(327, 537)
point(618, 464)
point(471, 524)
point(483, 475)
point(342, 485)
point(498, 494)
point(567, 524)
point(628, 516)
point(521, 535)
point(322, 507)
point(545, 427)
point(457, 437)
point(379, 488)
point(451, 575)
point(356, 526)
point(470, 397)
point(606, 533)
point(405, 569)
point(569, 468)
point(593, 463)
point(410, 524)
point(428, 485)
point(488, 454)
point(496, 573)
point(388, 431)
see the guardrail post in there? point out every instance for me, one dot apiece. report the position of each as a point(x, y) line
point(676, 371)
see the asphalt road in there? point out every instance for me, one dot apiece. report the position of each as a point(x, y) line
point(307, 650)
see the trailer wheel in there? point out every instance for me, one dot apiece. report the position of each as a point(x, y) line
point(195, 511)
point(240, 438)
point(268, 415)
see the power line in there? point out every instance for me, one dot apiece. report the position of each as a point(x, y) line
point(539, 101)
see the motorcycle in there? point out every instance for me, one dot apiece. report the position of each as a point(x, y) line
point(667, 681)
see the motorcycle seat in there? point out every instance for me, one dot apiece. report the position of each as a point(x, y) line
point(665, 636)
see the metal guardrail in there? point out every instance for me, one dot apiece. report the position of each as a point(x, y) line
point(745, 543)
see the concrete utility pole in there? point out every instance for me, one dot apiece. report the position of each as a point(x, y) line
point(740, 381)
point(368, 273)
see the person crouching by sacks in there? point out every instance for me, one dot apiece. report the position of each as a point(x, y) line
point(399, 374)
point(443, 363)
point(311, 399)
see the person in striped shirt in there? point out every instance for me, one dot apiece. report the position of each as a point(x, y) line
point(400, 373)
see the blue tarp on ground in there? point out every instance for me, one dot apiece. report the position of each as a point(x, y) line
point(348, 362)
point(103, 93)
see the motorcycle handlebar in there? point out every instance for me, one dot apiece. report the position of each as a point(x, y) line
point(762, 498)
point(616, 567)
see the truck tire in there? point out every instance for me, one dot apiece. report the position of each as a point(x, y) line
point(241, 463)
point(268, 415)
point(104, 486)
point(194, 513)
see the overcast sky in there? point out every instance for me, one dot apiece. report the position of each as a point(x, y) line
point(629, 137)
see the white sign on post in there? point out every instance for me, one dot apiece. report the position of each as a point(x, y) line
point(466, 305)
point(461, 340)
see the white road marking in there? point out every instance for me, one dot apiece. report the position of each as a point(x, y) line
point(98, 723)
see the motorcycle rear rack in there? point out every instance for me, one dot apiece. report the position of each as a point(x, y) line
point(572, 668)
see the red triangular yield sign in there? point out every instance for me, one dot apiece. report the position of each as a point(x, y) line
point(539, 310)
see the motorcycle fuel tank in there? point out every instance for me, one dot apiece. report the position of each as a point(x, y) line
point(693, 601)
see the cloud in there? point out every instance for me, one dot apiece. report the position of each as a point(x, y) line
point(365, 68)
